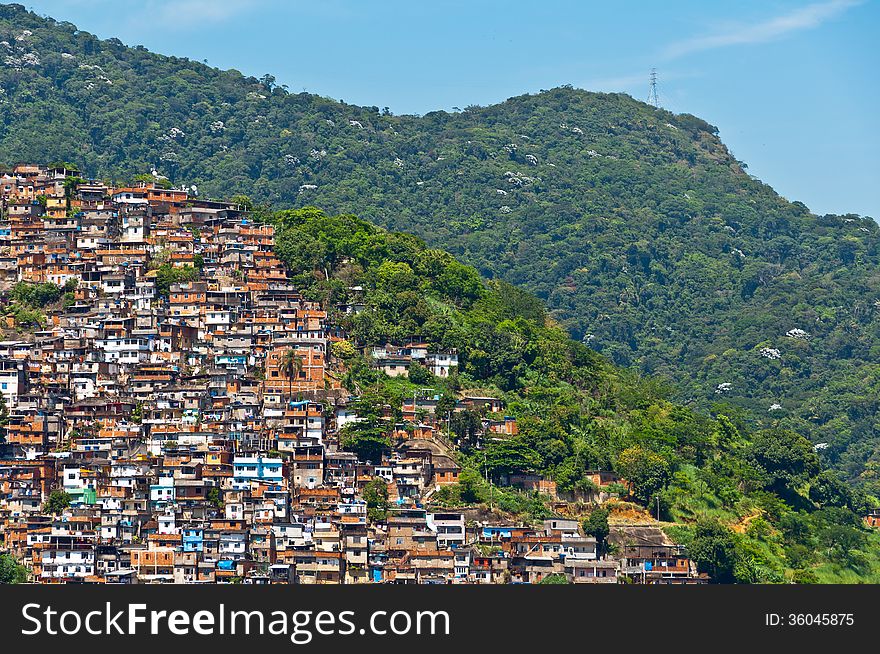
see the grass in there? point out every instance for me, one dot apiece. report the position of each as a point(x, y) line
point(834, 573)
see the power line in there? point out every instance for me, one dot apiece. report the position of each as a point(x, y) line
point(653, 98)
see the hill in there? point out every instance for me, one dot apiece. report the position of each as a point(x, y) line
point(645, 237)
point(751, 505)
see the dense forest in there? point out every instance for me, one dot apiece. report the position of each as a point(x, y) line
point(647, 240)
point(751, 505)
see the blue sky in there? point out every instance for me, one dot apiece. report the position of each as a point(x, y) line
point(793, 86)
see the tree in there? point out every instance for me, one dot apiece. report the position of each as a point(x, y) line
point(419, 374)
point(785, 458)
point(555, 578)
point(713, 548)
point(509, 456)
point(466, 425)
point(460, 283)
point(215, 497)
point(596, 525)
point(366, 439)
point(842, 535)
point(647, 472)
point(11, 571)
point(343, 350)
point(243, 201)
point(827, 489)
point(57, 502)
point(150, 179)
point(167, 274)
point(804, 577)
point(395, 278)
point(137, 413)
point(470, 486)
point(291, 367)
point(446, 403)
point(70, 184)
point(376, 496)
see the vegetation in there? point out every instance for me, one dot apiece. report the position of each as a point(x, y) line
point(11, 571)
point(27, 302)
point(56, 503)
point(376, 497)
point(368, 436)
point(643, 234)
point(596, 525)
point(648, 241)
point(168, 274)
point(291, 367)
point(756, 505)
point(554, 579)
point(215, 498)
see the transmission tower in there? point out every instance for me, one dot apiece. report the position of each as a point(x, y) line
point(653, 98)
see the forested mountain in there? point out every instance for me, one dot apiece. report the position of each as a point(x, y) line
point(751, 505)
point(645, 237)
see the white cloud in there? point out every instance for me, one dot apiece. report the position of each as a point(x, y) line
point(805, 18)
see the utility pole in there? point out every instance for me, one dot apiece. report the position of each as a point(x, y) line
point(488, 481)
point(653, 98)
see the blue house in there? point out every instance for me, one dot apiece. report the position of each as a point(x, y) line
point(193, 540)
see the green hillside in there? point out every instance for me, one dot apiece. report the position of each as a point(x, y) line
point(752, 505)
point(645, 238)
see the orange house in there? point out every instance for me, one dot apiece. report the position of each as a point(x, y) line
point(309, 378)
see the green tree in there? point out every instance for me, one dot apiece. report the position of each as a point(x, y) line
point(376, 496)
point(786, 459)
point(36, 295)
point(70, 184)
point(596, 525)
point(167, 274)
point(842, 536)
point(466, 425)
point(56, 503)
point(11, 571)
point(291, 367)
point(419, 374)
point(510, 456)
point(827, 489)
point(446, 403)
point(215, 497)
point(137, 413)
point(367, 438)
point(646, 471)
point(343, 350)
point(470, 486)
point(554, 579)
point(713, 548)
